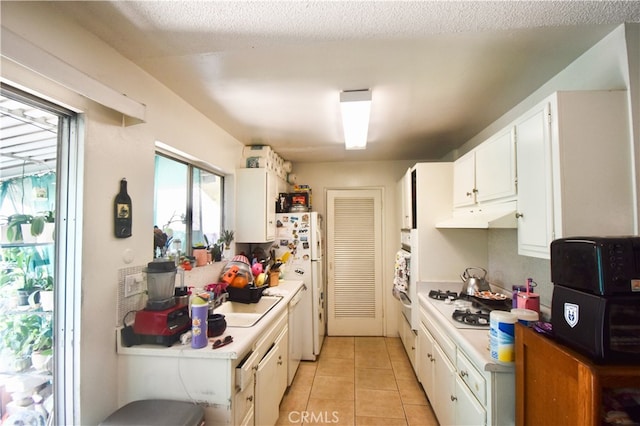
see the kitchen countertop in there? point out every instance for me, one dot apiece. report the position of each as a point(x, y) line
point(243, 337)
point(473, 342)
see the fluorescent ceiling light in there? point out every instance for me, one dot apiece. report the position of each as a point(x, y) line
point(355, 106)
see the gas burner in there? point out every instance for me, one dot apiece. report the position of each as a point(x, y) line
point(478, 318)
point(443, 295)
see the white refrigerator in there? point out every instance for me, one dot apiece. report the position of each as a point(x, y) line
point(300, 235)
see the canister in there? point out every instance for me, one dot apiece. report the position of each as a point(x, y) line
point(502, 335)
point(526, 317)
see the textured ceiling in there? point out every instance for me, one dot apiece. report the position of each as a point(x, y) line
point(271, 72)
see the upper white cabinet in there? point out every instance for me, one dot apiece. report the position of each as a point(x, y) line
point(574, 169)
point(496, 167)
point(405, 191)
point(256, 193)
point(464, 180)
point(487, 173)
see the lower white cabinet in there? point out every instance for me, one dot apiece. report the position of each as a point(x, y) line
point(409, 340)
point(459, 392)
point(271, 381)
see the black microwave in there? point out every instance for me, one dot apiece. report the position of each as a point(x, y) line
point(598, 265)
point(606, 329)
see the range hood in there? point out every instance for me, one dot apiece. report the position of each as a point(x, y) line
point(502, 215)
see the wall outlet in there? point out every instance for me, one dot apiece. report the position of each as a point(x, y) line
point(133, 284)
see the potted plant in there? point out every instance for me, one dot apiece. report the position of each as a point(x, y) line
point(227, 237)
point(42, 345)
point(16, 338)
point(26, 227)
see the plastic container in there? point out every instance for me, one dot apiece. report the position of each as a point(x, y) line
point(526, 317)
point(199, 314)
point(502, 336)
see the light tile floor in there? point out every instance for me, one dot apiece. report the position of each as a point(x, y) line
point(357, 381)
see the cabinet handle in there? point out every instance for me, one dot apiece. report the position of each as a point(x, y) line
point(453, 398)
point(279, 362)
point(469, 194)
point(475, 190)
point(413, 348)
point(429, 356)
point(519, 215)
point(463, 373)
point(250, 398)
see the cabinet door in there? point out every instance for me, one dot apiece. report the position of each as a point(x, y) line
point(496, 167)
point(425, 360)
point(535, 209)
point(256, 205)
point(464, 181)
point(271, 382)
point(408, 338)
point(468, 410)
point(404, 187)
point(443, 400)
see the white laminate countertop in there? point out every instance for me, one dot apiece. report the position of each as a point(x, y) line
point(473, 342)
point(243, 337)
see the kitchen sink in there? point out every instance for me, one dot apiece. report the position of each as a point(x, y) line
point(246, 314)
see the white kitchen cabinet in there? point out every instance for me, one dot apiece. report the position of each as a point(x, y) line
point(443, 399)
point(467, 409)
point(464, 180)
point(575, 177)
point(496, 168)
point(426, 362)
point(406, 203)
point(409, 339)
point(486, 174)
point(256, 194)
point(271, 381)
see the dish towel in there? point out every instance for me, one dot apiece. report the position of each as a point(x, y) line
point(401, 275)
point(275, 291)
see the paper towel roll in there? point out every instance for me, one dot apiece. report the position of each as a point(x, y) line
point(287, 166)
point(291, 178)
point(257, 151)
point(502, 335)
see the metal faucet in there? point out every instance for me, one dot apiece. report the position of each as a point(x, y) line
point(219, 300)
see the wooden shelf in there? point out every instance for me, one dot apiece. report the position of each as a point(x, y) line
point(556, 385)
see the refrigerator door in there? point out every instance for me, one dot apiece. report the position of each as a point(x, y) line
point(319, 308)
point(316, 236)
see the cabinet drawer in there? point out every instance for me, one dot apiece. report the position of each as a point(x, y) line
point(447, 346)
point(245, 371)
point(271, 334)
point(471, 377)
point(243, 404)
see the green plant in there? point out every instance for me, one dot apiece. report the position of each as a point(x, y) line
point(226, 237)
point(42, 337)
point(15, 222)
point(17, 334)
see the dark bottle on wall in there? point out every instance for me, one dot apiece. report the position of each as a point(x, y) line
point(122, 212)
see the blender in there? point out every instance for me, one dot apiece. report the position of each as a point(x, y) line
point(162, 321)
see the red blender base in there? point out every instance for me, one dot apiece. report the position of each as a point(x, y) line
point(162, 327)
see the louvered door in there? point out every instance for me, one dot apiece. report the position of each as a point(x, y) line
point(354, 265)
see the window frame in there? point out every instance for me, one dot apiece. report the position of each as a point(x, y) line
point(187, 246)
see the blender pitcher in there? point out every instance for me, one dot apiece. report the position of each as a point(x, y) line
point(161, 282)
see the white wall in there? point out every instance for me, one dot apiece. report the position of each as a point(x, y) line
point(324, 176)
point(111, 151)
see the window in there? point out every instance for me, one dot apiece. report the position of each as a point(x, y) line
point(187, 205)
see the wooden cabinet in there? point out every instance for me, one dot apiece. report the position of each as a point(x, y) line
point(488, 173)
point(574, 163)
point(256, 193)
point(555, 385)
